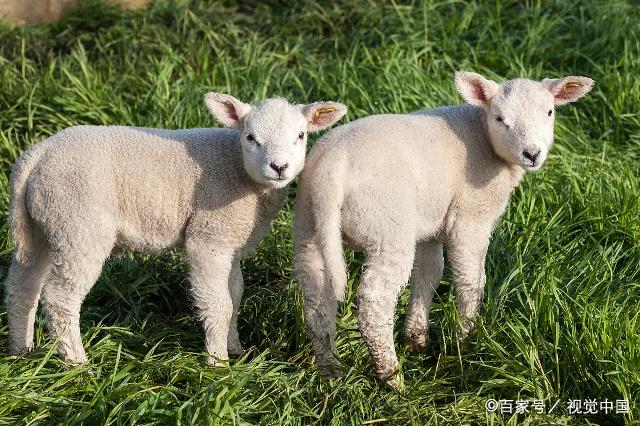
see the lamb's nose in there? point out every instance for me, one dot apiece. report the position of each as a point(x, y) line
point(531, 155)
point(279, 169)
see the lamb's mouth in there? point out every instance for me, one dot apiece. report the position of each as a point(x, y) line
point(277, 181)
point(531, 166)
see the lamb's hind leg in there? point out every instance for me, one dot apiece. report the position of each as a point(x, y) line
point(425, 279)
point(386, 273)
point(75, 269)
point(22, 288)
point(320, 308)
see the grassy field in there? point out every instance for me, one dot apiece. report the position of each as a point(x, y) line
point(561, 316)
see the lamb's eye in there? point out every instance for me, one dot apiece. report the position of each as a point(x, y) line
point(550, 112)
point(250, 138)
point(301, 135)
point(499, 119)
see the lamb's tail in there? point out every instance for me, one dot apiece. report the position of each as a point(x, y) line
point(327, 208)
point(19, 220)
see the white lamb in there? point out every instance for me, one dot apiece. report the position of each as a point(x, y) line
point(89, 191)
point(399, 187)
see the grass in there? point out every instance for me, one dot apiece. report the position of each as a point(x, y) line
point(561, 315)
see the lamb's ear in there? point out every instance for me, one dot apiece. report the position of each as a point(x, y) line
point(474, 88)
point(321, 115)
point(568, 89)
point(227, 109)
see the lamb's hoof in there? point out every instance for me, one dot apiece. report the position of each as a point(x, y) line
point(76, 359)
point(461, 336)
point(417, 341)
point(392, 376)
point(213, 361)
point(396, 382)
point(331, 370)
point(20, 351)
point(236, 350)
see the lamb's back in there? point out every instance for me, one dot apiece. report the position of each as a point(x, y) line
point(429, 147)
point(145, 180)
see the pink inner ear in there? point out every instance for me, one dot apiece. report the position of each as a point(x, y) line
point(317, 119)
point(231, 111)
point(478, 93)
point(320, 118)
point(568, 91)
point(564, 94)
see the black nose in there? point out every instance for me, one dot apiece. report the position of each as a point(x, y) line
point(531, 155)
point(279, 169)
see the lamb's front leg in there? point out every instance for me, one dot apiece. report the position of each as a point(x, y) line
point(466, 252)
point(236, 288)
point(210, 273)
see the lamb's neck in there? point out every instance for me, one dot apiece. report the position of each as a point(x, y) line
point(500, 176)
point(512, 174)
point(506, 180)
point(272, 197)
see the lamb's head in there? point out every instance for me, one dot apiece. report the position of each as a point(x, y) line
point(520, 113)
point(273, 133)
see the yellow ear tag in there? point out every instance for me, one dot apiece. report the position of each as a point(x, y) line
point(572, 85)
point(323, 111)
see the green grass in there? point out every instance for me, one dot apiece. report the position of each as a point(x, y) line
point(561, 315)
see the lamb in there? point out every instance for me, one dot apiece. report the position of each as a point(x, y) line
point(90, 191)
point(399, 187)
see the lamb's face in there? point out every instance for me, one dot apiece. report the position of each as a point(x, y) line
point(273, 134)
point(520, 113)
point(520, 120)
point(274, 139)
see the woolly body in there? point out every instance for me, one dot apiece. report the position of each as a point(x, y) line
point(89, 191)
point(399, 187)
